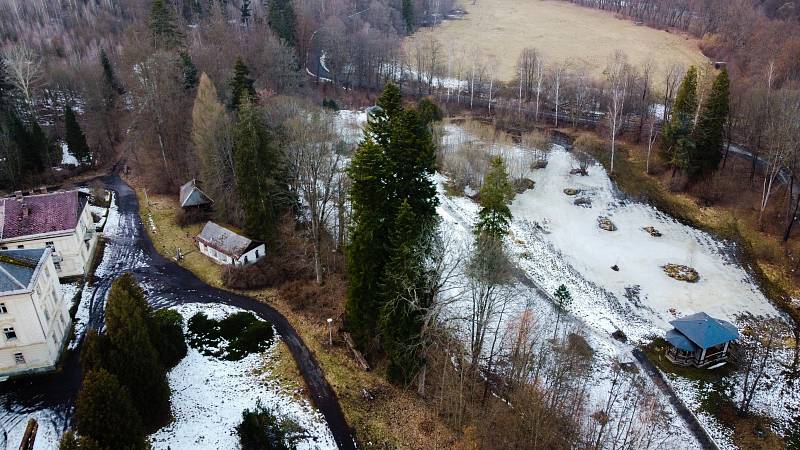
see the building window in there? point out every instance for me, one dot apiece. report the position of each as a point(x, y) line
point(18, 358)
point(87, 244)
point(4, 248)
point(3, 309)
point(256, 253)
point(57, 266)
point(245, 259)
point(50, 245)
point(10, 333)
point(46, 314)
point(20, 246)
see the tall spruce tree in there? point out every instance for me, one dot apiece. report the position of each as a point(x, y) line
point(495, 195)
point(282, 20)
point(677, 141)
point(260, 178)
point(246, 12)
point(74, 137)
point(133, 358)
point(408, 15)
point(104, 412)
point(406, 296)
point(392, 167)
point(710, 130)
point(163, 30)
point(189, 70)
point(109, 77)
point(411, 156)
point(366, 254)
point(242, 86)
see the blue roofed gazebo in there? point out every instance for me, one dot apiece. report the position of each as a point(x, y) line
point(700, 340)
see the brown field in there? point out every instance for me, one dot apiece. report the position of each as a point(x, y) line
point(562, 32)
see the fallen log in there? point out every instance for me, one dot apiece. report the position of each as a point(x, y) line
point(30, 435)
point(362, 362)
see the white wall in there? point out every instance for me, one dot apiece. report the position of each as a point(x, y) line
point(41, 322)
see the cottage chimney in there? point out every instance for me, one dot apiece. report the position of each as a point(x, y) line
point(18, 195)
point(43, 190)
point(26, 211)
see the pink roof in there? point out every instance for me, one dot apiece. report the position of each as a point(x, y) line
point(47, 213)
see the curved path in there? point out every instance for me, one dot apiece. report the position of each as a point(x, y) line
point(128, 249)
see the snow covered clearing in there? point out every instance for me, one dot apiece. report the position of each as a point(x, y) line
point(555, 241)
point(209, 395)
point(66, 157)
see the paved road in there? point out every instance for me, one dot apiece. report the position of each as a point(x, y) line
point(129, 249)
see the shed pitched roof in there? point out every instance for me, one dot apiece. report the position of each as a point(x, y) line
point(704, 330)
point(57, 211)
point(225, 240)
point(192, 195)
point(18, 268)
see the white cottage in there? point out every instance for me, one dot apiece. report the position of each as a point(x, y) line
point(60, 221)
point(226, 247)
point(34, 317)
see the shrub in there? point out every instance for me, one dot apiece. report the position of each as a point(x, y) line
point(321, 301)
point(191, 216)
point(232, 338)
point(270, 271)
point(429, 111)
point(167, 329)
point(69, 441)
point(262, 430)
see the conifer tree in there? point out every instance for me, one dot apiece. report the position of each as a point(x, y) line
point(109, 77)
point(408, 15)
point(710, 131)
point(495, 195)
point(189, 70)
point(242, 86)
point(282, 20)
point(366, 257)
point(260, 180)
point(163, 30)
point(211, 136)
point(7, 90)
point(411, 156)
point(133, 359)
point(563, 299)
point(74, 137)
point(406, 296)
point(105, 413)
point(389, 106)
point(246, 12)
point(677, 143)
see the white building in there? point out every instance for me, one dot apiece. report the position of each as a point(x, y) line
point(226, 247)
point(59, 220)
point(34, 318)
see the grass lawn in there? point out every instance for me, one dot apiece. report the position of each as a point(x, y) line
point(562, 32)
point(393, 418)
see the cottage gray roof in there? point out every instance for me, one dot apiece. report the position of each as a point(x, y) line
point(224, 240)
point(18, 268)
point(705, 331)
point(192, 195)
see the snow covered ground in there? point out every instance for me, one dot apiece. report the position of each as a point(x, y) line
point(209, 395)
point(554, 241)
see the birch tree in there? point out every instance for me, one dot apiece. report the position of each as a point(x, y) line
point(617, 75)
point(317, 167)
point(24, 70)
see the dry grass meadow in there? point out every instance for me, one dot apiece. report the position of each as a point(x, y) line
point(562, 32)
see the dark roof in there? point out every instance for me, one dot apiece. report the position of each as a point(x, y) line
point(57, 211)
point(705, 331)
point(225, 240)
point(18, 267)
point(192, 195)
